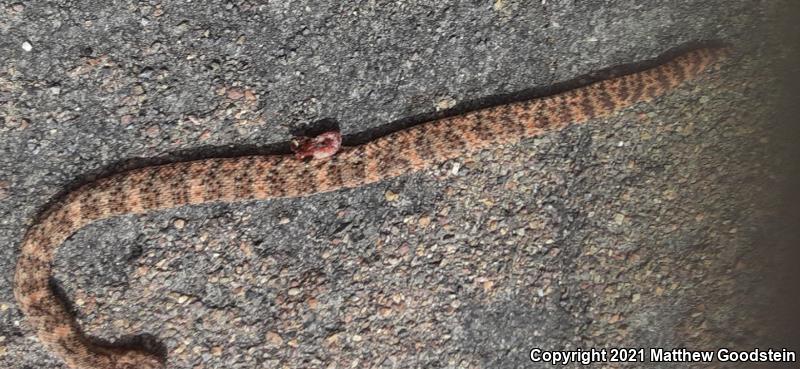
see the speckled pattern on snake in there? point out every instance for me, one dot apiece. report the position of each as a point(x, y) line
point(275, 176)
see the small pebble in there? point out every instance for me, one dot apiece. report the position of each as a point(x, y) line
point(332, 339)
point(235, 93)
point(27, 46)
point(456, 167)
point(274, 338)
point(445, 103)
point(424, 221)
point(152, 131)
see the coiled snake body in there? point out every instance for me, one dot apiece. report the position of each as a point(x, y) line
point(265, 177)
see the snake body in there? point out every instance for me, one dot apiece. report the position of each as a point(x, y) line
point(275, 176)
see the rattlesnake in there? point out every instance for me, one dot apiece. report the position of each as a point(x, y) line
point(265, 177)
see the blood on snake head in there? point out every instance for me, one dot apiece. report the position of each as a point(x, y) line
point(322, 146)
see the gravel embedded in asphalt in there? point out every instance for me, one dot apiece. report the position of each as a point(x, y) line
point(651, 228)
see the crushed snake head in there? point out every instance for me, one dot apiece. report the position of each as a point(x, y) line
point(321, 146)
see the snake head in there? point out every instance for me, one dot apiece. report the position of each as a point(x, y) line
point(322, 146)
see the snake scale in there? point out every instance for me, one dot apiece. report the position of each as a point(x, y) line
point(275, 176)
